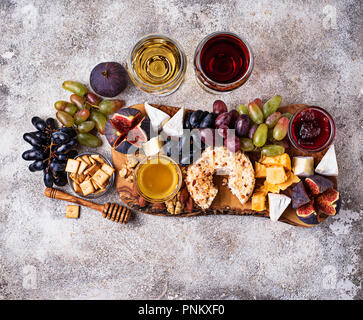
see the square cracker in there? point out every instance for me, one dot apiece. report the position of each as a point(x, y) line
point(72, 166)
point(100, 177)
point(72, 211)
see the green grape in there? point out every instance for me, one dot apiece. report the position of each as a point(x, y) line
point(281, 128)
point(272, 150)
point(246, 144)
point(65, 118)
point(271, 105)
point(100, 119)
point(66, 106)
point(89, 140)
point(81, 116)
point(75, 87)
point(110, 106)
point(260, 136)
point(272, 119)
point(242, 109)
point(86, 126)
point(255, 113)
point(79, 101)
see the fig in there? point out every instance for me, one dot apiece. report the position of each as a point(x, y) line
point(108, 79)
point(326, 202)
point(299, 195)
point(318, 184)
point(129, 131)
point(125, 119)
point(307, 213)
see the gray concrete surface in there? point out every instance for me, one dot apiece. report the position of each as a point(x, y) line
point(307, 51)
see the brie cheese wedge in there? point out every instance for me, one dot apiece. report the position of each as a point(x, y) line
point(303, 166)
point(174, 127)
point(328, 165)
point(152, 147)
point(157, 117)
point(277, 205)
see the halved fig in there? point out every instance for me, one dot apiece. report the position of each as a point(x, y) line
point(318, 184)
point(326, 202)
point(125, 119)
point(128, 132)
point(307, 213)
point(299, 196)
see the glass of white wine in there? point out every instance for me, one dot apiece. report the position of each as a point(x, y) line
point(157, 64)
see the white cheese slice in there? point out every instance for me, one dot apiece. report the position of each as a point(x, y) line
point(174, 127)
point(328, 165)
point(277, 205)
point(157, 117)
point(152, 147)
point(303, 166)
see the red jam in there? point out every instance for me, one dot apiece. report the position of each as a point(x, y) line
point(311, 129)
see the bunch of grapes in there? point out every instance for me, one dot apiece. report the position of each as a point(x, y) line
point(86, 112)
point(51, 147)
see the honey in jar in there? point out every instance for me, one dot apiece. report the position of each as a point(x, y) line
point(158, 178)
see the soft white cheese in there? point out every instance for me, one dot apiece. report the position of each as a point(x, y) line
point(328, 165)
point(303, 166)
point(157, 117)
point(277, 205)
point(152, 147)
point(174, 127)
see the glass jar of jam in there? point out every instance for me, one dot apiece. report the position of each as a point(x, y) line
point(311, 129)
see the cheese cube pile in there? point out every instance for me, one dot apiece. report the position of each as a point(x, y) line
point(278, 177)
point(90, 174)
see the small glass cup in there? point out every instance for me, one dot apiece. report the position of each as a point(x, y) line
point(156, 159)
point(157, 64)
point(93, 195)
point(223, 62)
point(325, 117)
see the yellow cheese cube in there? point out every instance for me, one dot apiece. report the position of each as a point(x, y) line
point(260, 170)
point(275, 175)
point(282, 160)
point(291, 178)
point(259, 201)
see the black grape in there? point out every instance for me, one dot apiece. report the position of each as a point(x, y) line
point(71, 132)
point(72, 154)
point(61, 179)
point(51, 123)
point(57, 165)
point(39, 123)
point(37, 166)
point(48, 178)
point(33, 140)
point(60, 137)
point(34, 154)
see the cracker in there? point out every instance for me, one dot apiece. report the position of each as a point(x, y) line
point(87, 187)
point(108, 169)
point(100, 177)
point(72, 211)
point(86, 159)
point(72, 166)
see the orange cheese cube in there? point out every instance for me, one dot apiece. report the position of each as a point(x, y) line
point(260, 170)
point(276, 175)
point(259, 201)
point(280, 160)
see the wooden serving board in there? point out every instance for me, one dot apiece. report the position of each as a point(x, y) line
point(225, 202)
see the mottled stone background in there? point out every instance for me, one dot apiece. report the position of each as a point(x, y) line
point(307, 51)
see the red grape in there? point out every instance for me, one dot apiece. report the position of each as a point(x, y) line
point(207, 135)
point(232, 143)
point(223, 131)
point(234, 115)
point(242, 125)
point(223, 119)
point(219, 107)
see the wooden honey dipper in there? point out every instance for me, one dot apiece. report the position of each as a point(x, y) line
point(111, 211)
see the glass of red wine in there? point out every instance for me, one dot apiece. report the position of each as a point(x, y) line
point(222, 62)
